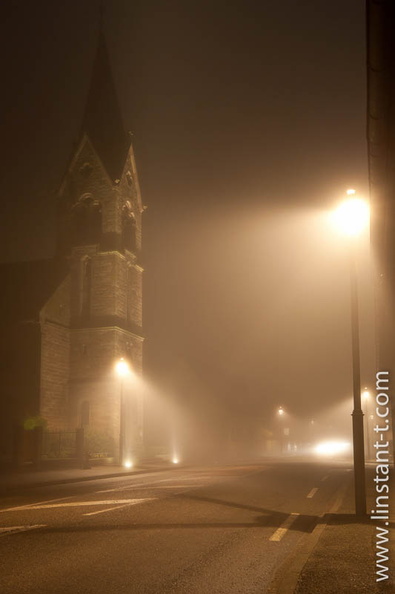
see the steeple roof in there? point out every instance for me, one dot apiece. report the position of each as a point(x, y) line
point(103, 121)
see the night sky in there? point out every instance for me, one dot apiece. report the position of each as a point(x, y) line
point(248, 121)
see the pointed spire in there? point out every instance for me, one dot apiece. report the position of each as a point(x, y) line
point(103, 121)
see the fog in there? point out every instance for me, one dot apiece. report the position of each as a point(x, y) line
point(248, 124)
point(257, 317)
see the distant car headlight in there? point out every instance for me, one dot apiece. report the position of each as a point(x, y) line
point(332, 448)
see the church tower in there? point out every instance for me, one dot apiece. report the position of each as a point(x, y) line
point(99, 234)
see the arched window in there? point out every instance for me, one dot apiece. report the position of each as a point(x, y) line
point(86, 221)
point(86, 287)
point(128, 228)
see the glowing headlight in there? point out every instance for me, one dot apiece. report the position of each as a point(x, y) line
point(331, 448)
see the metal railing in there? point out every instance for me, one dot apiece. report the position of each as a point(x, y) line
point(61, 445)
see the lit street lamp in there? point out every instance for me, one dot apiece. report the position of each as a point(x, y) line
point(284, 431)
point(352, 217)
point(122, 370)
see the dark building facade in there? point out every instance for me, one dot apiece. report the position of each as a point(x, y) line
point(67, 321)
point(381, 152)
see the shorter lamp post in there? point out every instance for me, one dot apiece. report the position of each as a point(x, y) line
point(122, 370)
point(352, 217)
point(283, 430)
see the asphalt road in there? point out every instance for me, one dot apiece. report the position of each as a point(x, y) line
point(187, 530)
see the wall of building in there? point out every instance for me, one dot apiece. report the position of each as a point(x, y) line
point(93, 379)
point(106, 304)
point(55, 358)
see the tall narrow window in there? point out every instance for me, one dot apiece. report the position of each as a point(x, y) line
point(86, 221)
point(86, 288)
point(128, 228)
point(94, 223)
point(129, 297)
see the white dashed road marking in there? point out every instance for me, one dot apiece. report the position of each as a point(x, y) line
point(312, 493)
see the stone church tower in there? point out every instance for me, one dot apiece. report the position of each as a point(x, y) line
point(67, 321)
point(100, 300)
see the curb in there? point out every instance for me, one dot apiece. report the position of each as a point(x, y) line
point(286, 578)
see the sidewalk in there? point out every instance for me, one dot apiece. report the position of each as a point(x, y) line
point(25, 479)
point(340, 554)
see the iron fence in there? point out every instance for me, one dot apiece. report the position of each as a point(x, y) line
point(59, 445)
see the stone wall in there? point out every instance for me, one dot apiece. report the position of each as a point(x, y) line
point(55, 358)
point(109, 328)
point(94, 354)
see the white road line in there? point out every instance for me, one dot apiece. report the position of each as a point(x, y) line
point(136, 501)
point(171, 487)
point(283, 529)
point(72, 504)
point(133, 486)
point(39, 503)
point(156, 486)
point(103, 511)
point(193, 483)
point(128, 488)
point(324, 478)
point(13, 529)
point(312, 493)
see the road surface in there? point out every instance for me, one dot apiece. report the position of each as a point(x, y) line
point(222, 529)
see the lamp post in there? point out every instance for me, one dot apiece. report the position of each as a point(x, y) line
point(283, 430)
point(352, 217)
point(122, 370)
point(366, 398)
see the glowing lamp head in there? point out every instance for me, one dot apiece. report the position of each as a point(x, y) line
point(128, 464)
point(122, 368)
point(352, 216)
point(281, 411)
point(175, 460)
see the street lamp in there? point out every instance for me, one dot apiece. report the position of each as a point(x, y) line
point(352, 217)
point(284, 431)
point(122, 370)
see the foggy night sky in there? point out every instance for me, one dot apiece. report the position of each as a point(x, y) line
point(249, 123)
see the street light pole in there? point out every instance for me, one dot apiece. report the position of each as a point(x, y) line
point(351, 218)
point(121, 424)
point(281, 413)
point(357, 414)
point(122, 370)
point(366, 412)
